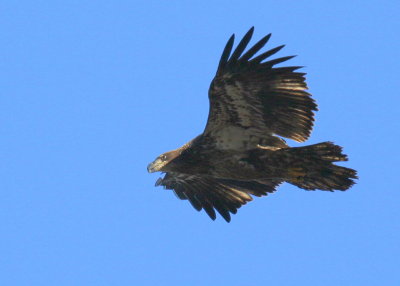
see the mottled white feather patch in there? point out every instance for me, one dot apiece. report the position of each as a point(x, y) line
point(236, 138)
point(243, 104)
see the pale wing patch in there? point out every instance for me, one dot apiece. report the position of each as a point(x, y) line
point(236, 138)
point(245, 106)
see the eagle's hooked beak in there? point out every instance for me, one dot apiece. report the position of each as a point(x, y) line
point(150, 168)
point(154, 166)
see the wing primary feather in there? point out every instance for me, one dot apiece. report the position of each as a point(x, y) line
point(202, 198)
point(267, 54)
point(241, 46)
point(253, 50)
point(207, 206)
point(226, 53)
point(271, 63)
point(290, 69)
point(179, 194)
point(190, 193)
point(193, 201)
point(220, 207)
point(159, 182)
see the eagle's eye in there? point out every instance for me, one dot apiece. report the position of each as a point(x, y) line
point(163, 158)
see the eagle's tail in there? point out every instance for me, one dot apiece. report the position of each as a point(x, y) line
point(313, 168)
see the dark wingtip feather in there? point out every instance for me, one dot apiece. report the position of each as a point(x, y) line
point(242, 45)
point(222, 210)
point(158, 182)
point(179, 194)
point(273, 62)
point(210, 211)
point(253, 50)
point(194, 201)
point(267, 54)
point(226, 53)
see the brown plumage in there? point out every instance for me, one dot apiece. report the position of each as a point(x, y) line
point(239, 155)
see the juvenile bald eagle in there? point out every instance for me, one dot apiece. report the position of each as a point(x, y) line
point(239, 154)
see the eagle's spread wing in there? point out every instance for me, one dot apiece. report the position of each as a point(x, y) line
point(211, 194)
point(248, 92)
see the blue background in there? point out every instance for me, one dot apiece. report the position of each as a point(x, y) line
point(92, 91)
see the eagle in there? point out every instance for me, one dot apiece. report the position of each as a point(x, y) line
point(241, 152)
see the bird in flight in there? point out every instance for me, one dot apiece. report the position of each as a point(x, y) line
point(241, 152)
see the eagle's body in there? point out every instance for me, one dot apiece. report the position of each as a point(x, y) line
point(239, 153)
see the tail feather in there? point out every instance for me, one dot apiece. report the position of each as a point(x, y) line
point(314, 168)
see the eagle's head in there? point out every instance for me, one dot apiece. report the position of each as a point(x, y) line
point(161, 162)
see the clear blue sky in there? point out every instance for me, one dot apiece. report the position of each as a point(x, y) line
point(92, 91)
